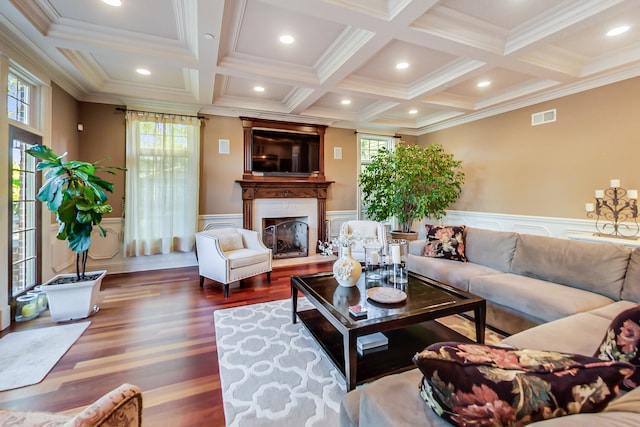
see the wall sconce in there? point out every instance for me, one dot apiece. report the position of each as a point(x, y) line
point(614, 207)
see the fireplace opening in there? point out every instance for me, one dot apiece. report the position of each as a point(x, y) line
point(287, 237)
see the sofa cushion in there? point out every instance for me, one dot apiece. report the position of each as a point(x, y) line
point(231, 242)
point(539, 299)
point(493, 249)
point(621, 341)
point(610, 311)
point(565, 262)
point(474, 384)
point(394, 401)
point(631, 287)
point(243, 257)
point(453, 273)
point(580, 334)
point(446, 242)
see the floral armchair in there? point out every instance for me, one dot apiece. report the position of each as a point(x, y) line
point(121, 407)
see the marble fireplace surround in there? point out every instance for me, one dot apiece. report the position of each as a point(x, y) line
point(272, 198)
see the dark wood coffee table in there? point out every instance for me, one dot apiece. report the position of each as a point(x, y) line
point(409, 326)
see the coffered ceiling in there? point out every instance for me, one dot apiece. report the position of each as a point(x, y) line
point(209, 55)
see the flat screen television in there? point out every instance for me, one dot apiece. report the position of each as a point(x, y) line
point(284, 153)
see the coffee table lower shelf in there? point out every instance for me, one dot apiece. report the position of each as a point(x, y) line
point(397, 357)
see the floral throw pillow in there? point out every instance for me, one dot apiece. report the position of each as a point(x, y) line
point(445, 242)
point(621, 343)
point(474, 384)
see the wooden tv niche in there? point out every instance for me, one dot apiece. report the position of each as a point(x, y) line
point(275, 187)
point(248, 124)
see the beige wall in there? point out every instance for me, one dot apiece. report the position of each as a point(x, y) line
point(65, 113)
point(219, 193)
point(343, 192)
point(549, 170)
point(511, 167)
point(104, 136)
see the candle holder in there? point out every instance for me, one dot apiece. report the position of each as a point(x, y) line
point(372, 259)
point(26, 308)
point(398, 250)
point(615, 207)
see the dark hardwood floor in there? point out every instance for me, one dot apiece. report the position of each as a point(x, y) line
point(155, 330)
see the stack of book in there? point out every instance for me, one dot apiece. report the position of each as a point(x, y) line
point(373, 342)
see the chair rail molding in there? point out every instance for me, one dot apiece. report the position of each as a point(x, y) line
point(564, 228)
point(108, 253)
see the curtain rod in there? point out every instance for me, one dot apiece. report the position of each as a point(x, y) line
point(373, 134)
point(157, 112)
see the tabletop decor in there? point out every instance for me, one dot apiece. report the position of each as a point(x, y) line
point(326, 248)
point(346, 269)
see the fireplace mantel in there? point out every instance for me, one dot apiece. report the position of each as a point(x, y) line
point(284, 189)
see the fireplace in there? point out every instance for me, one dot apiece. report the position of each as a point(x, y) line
point(270, 198)
point(288, 237)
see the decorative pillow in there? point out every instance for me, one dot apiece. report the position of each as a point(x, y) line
point(445, 242)
point(482, 385)
point(621, 343)
point(231, 242)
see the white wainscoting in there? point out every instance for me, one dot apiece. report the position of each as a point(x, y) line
point(107, 253)
point(564, 228)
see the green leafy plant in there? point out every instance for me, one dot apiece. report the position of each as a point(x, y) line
point(410, 182)
point(76, 196)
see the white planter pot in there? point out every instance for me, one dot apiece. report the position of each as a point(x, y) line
point(70, 301)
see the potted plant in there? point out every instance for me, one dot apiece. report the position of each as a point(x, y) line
point(77, 196)
point(409, 183)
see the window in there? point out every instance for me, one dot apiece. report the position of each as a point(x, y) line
point(25, 224)
point(369, 146)
point(19, 100)
point(161, 209)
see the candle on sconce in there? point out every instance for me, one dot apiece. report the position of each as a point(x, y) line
point(632, 194)
point(589, 207)
point(615, 183)
point(599, 194)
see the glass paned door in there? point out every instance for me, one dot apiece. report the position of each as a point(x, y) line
point(25, 213)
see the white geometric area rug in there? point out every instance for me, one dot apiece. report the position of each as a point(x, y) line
point(272, 372)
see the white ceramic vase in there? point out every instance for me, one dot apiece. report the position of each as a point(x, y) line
point(346, 269)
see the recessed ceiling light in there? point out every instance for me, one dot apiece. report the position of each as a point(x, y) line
point(208, 36)
point(112, 2)
point(286, 39)
point(618, 30)
point(258, 89)
point(345, 102)
point(413, 111)
point(143, 71)
point(402, 65)
point(484, 83)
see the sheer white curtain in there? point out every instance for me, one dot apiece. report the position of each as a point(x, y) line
point(161, 206)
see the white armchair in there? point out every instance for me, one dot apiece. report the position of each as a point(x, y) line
point(227, 255)
point(365, 229)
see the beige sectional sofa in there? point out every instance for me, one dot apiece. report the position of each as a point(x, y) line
point(517, 274)
point(552, 294)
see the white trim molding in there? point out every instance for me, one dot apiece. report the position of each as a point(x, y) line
point(108, 253)
point(564, 228)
